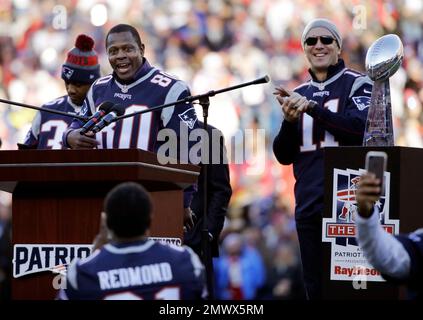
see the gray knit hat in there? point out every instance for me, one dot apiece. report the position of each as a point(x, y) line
point(322, 23)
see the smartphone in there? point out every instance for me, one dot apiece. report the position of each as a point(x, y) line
point(376, 164)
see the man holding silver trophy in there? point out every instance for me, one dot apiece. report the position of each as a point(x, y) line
point(328, 110)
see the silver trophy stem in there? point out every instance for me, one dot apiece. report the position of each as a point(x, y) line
point(379, 130)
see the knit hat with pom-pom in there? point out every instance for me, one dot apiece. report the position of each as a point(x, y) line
point(81, 64)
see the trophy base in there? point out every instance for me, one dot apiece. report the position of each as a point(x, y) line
point(378, 141)
point(379, 129)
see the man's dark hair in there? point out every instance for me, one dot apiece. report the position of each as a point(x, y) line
point(125, 28)
point(128, 210)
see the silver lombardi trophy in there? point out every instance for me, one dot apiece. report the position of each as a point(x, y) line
point(383, 59)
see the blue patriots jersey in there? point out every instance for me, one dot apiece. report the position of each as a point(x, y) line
point(413, 243)
point(150, 88)
point(338, 120)
point(47, 128)
point(142, 270)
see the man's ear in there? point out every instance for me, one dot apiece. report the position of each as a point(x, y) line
point(103, 222)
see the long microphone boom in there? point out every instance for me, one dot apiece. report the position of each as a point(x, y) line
point(43, 109)
point(212, 93)
point(188, 99)
point(104, 108)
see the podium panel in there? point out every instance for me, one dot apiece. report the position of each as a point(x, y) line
point(346, 273)
point(58, 197)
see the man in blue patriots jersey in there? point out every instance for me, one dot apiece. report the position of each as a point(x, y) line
point(136, 85)
point(399, 258)
point(79, 71)
point(131, 267)
point(328, 110)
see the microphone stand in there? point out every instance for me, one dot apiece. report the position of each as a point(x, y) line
point(204, 101)
point(44, 109)
point(206, 255)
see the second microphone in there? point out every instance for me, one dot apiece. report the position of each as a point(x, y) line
point(103, 109)
point(116, 111)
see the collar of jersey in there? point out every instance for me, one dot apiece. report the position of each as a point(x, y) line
point(133, 247)
point(334, 72)
point(143, 73)
point(74, 106)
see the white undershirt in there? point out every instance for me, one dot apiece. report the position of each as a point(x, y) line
point(382, 250)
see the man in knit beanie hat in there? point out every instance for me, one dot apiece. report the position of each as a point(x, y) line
point(325, 24)
point(330, 109)
point(79, 71)
point(81, 65)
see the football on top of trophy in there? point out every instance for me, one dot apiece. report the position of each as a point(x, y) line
point(384, 57)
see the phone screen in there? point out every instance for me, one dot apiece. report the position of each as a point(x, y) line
point(376, 164)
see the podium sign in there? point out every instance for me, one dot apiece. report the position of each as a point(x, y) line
point(346, 273)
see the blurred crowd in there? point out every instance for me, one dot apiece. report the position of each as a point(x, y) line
point(212, 45)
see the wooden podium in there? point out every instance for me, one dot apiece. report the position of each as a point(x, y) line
point(402, 206)
point(58, 196)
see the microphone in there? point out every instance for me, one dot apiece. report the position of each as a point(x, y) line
point(103, 109)
point(116, 111)
point(264, 79)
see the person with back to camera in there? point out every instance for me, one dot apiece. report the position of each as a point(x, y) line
point(125, 264)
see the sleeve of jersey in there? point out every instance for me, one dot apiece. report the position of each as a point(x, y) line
point(181, 119)
point(347, 126)
point(286, 144)
point(220, 192)
point(31, 138)
point(381, 249)
point(86, 111)
point(70, 292)
point(413, 244)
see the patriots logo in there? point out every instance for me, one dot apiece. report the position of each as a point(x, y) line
point(362, 102)
point(68, 72)
point(346, 203)
point(189, 117)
